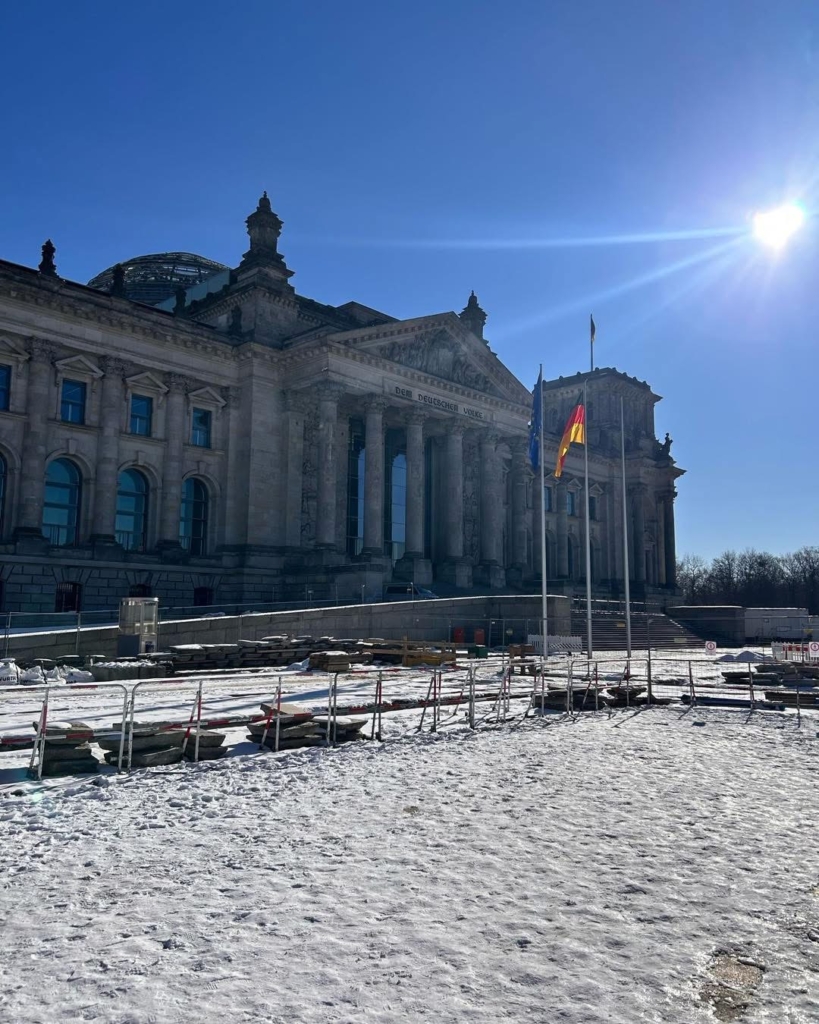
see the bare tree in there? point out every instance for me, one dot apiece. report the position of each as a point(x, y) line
point(692, 574)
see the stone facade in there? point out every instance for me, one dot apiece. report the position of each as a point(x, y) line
point(242, 443)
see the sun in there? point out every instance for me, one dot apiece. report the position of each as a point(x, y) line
point(775, 228)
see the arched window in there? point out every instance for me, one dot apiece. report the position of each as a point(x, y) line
point(132, 510)
point(193, 519)
point(61, 508)
point(3, 475)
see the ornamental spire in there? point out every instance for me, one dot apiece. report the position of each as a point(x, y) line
point(47, 264)
point(472, 316)
point(264, 228)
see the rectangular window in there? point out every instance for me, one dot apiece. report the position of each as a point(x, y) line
point(142, 413)
point(202, 597)
point(571, 503)
point(592, 507)
point(68, 597)
point(5, 386)
point(547, 499)
point(72, 406)
point(200, 428)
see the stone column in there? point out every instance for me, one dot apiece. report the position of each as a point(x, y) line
point(562, 530)
point(412, 565)
point(520, 471)
point(294, 468)
point(39, 394)
point(670, 543)
point(175, 437)
point(105, 489)
point(639, 538)
point(415, 485)
point(454, 492)
point(455, 569)
point(491, 572)
point(374, 478)
point(491, 501)
point(326, 470)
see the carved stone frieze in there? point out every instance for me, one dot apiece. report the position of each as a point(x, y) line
point(438, 354)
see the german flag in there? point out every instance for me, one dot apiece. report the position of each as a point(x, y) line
point(574, 432)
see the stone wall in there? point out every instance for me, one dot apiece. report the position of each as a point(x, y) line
point(417, 620)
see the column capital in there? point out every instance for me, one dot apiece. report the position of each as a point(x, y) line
point(455, 429)
point(489, 437)
point(376, 403)
point(111, 366)
point(42, 351)
point(417, 418)
point(177, 382)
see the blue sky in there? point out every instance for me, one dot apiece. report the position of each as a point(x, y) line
point(543, 152)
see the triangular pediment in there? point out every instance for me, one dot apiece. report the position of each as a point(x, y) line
point(440, 346)
point(10, 349)
point(146, 381)
point(207, 396)
point(79, 364)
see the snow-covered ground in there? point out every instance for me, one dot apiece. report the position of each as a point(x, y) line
point(557, 870)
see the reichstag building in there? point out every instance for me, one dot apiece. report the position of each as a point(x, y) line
point(204, 434)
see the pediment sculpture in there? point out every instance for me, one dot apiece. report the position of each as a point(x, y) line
point(437, 354)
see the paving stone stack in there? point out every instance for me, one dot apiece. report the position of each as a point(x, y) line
point(66, 750)
point(154, 745)
point(330, 661)
point(299, 727)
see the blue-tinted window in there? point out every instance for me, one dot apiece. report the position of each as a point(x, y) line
point(132, 510)
point(193, 518)
point(72, 407)
point(592, 507)
point(5, 386)
point(571, 503)
point(142, 413)
point(547, 499)
point(200, 428)
point(61, 507)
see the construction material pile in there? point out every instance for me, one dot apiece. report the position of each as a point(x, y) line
point(284, 651)
point(156, 743)
point(114, 671)
point(299, 727)
point(797, 683)
point(64, 749)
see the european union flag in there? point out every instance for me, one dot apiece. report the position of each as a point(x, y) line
point(535, 422)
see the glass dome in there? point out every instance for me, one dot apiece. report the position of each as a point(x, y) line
point(153, 279)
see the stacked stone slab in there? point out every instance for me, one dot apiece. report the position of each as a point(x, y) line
point(66, 749)
point(299, 727)
point(153, 745)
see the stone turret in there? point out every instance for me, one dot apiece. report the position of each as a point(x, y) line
point(473, 317)
point(264, 228)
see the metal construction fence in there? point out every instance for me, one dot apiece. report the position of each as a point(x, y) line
point(474, 694)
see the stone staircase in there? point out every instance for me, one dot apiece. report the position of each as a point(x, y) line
point(609, 631)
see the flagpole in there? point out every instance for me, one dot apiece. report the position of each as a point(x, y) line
point(544, 633)
point(589, 641)
point(625, 531)
point(591, 343)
